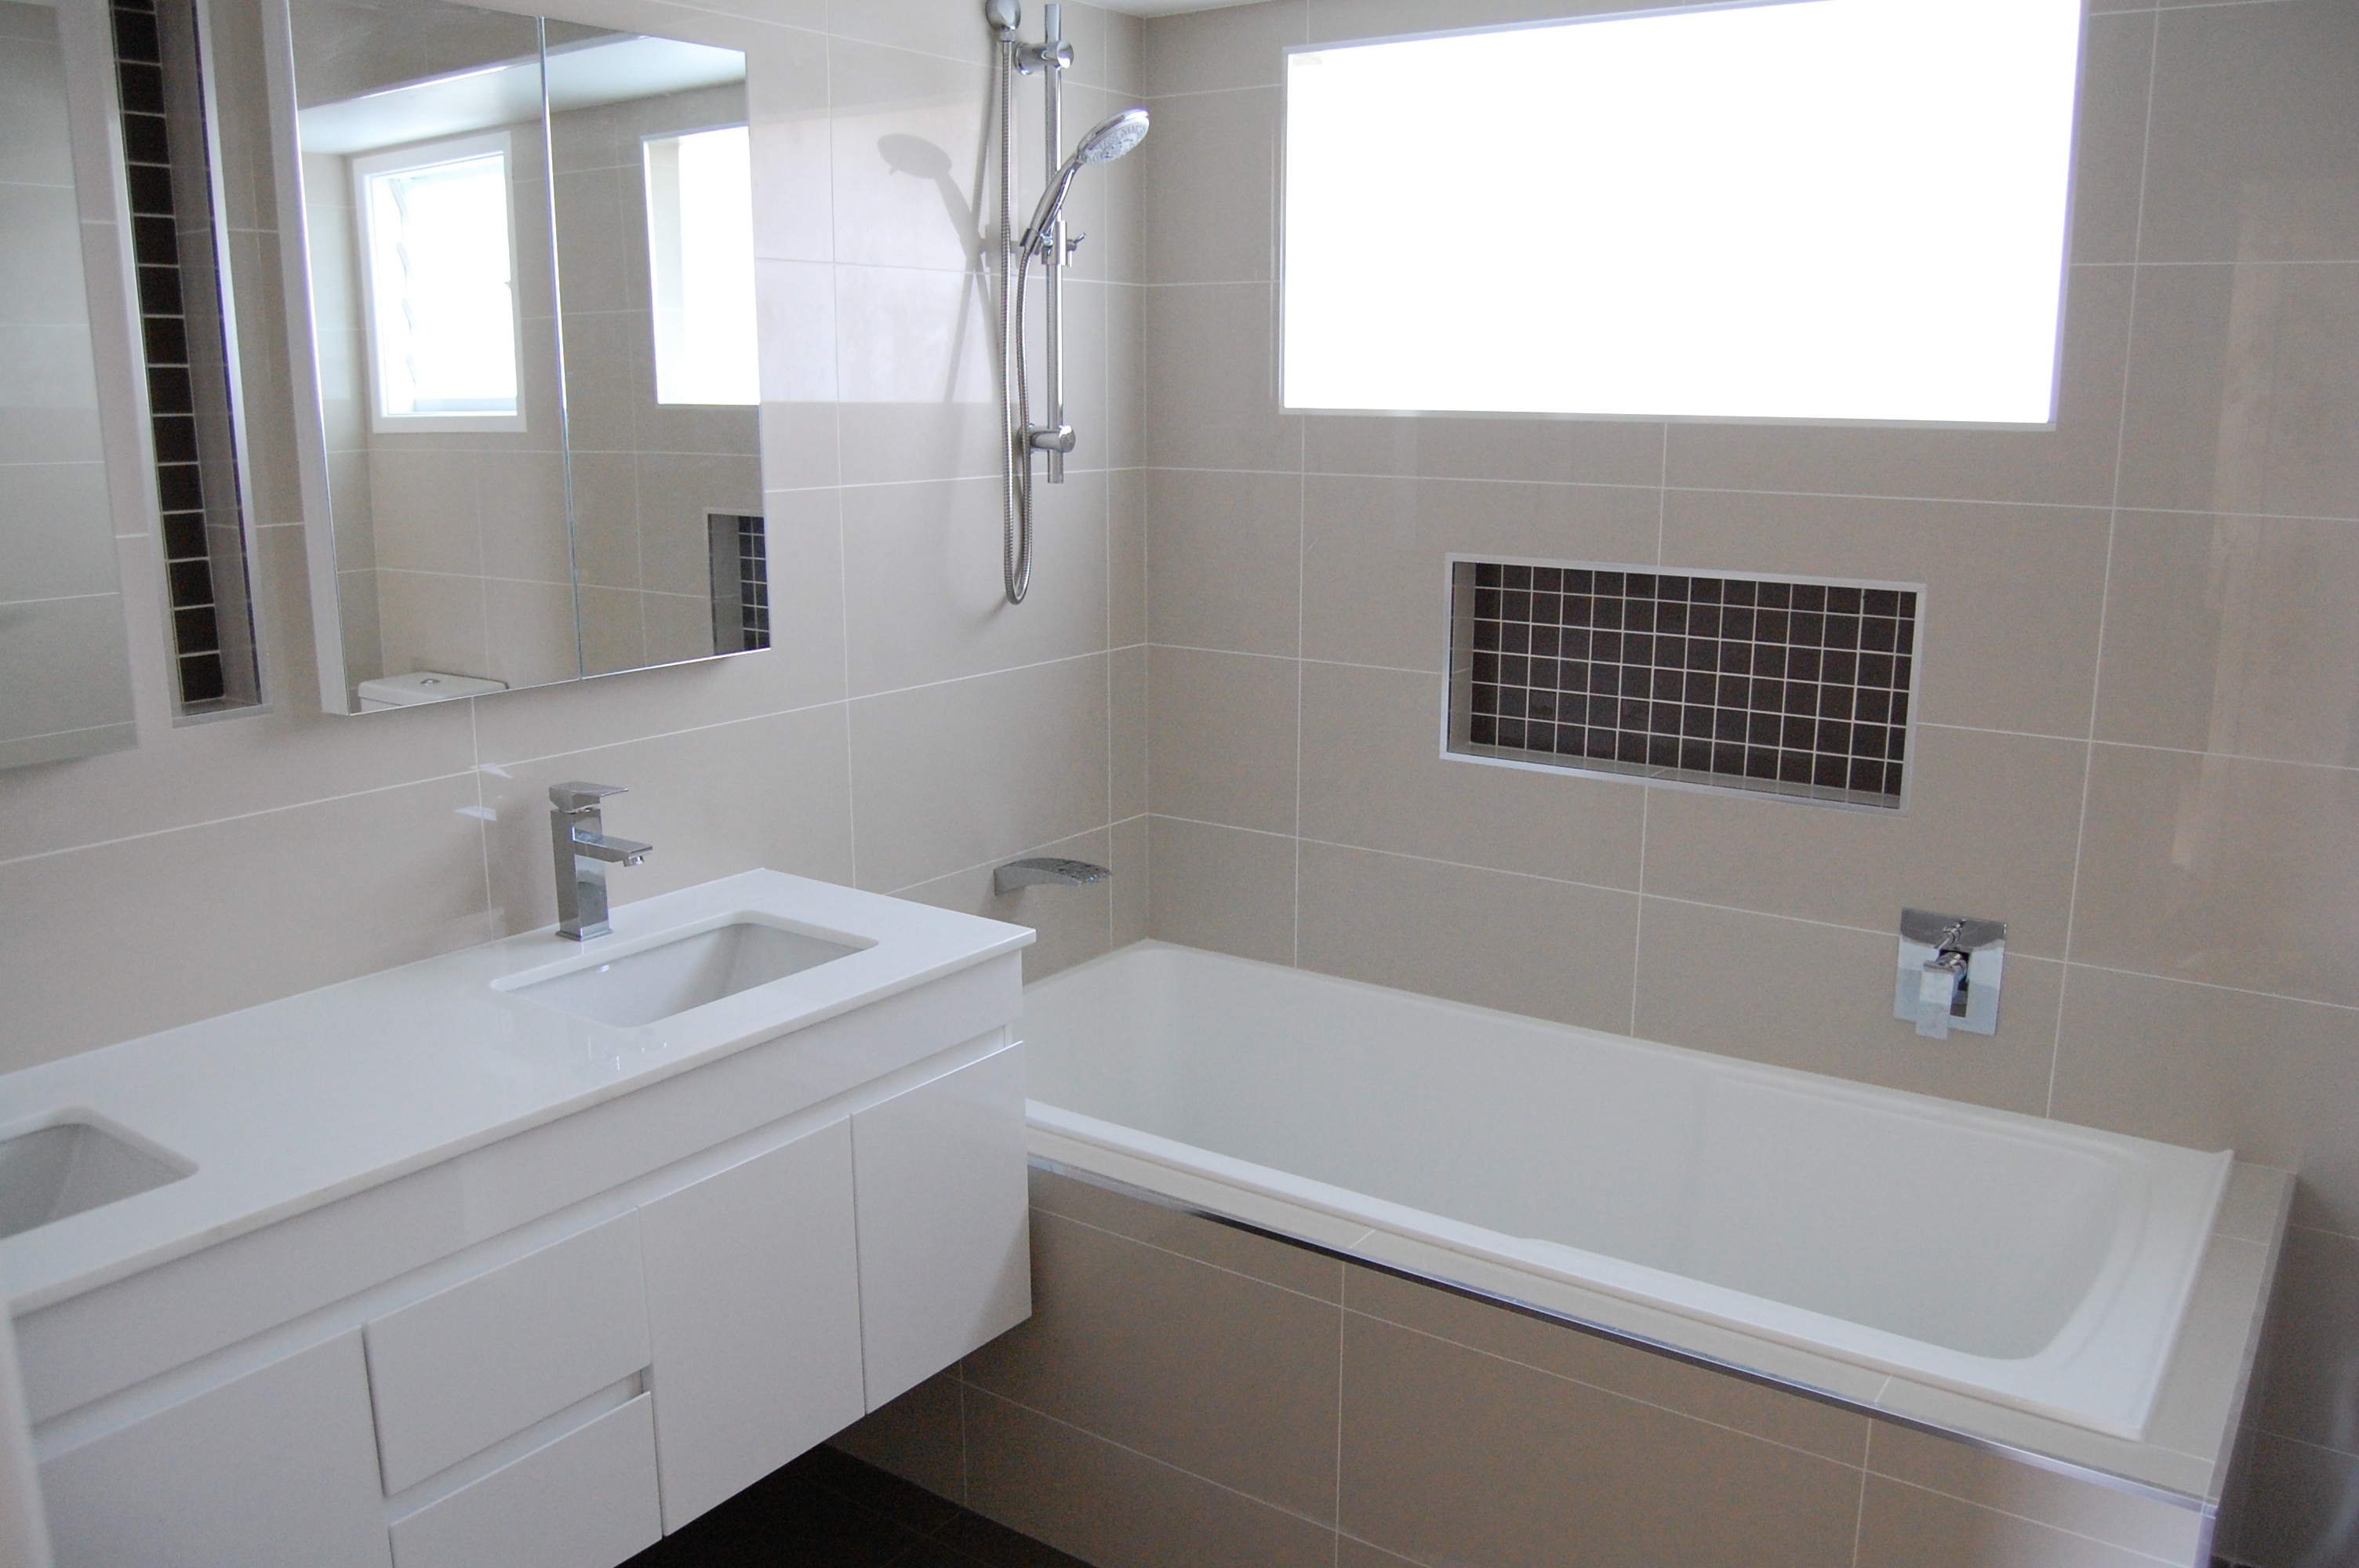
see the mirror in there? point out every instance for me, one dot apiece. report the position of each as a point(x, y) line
point(526, 289)
point(67, 690)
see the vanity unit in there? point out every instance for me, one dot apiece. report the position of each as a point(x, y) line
point(527, 1255)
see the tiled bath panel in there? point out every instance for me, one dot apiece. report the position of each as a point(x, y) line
point(1186, 1393)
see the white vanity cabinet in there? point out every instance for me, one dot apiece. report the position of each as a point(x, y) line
point(272, 1467)
point(754, 1298)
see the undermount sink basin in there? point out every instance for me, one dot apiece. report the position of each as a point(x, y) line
point(655, 983)
point(71, 1166)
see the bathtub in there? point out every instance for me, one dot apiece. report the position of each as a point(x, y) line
point(2042, 1267)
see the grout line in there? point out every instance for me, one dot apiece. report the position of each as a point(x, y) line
point(232, 817)
point(2105, 588)
point(1859, 1515)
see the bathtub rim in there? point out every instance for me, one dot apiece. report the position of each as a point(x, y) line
point(2255, 1199)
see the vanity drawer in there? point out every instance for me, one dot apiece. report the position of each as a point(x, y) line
point(455, 1373)
point(585, 1500)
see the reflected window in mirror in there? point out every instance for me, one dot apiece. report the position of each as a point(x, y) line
point(439, 256)
point(701, 266)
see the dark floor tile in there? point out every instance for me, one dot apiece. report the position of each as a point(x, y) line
point(995, 1546)
point(879, 1492)
point(784, 1522)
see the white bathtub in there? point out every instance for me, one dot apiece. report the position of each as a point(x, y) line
point(2040, 1266)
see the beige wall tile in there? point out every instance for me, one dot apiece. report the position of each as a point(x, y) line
point(2254, 149)
point(1116, 1509)
point(1272, 1262)
point(1031, 750)
point(2307, 1505)
point(1223, 559)
point(1073, 922)
point(2125, 1520)
point(1553, 452)
point(1907, 1527)
point(934, 26)
point(2312, 1356)
point(908, 129)
point(531, 631)
point(1373, 776)
point(1126, 557)
point(1797, 994)
point(2072, 465)
point(1115, 1322)
point(1989, 832)
point(918, 399)
point(1374, 585)
point(709, 800)
point(1213, 163)
point(1551, 949)
point(1132, 901)
point(1608, 1365)
point(1222, 889)
point(219, 922)
point(2240, 398)
point(2219, 1069)
point(1208, 359)
point(1125, 415)
point(1221, 744)
point(2008, 624)
point(2232, 634)
point(1452, 1455)
point(1241, 45)
point(923, 581)
point(1351, 1554)
point(1127, 731)
point(794, 303)
point(2109, 142)
point(2214, 869)
point(920, 1437)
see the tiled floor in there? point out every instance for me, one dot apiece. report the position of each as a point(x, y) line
point(830, 1510)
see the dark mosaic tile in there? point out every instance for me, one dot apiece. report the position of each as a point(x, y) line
point(1800, 688)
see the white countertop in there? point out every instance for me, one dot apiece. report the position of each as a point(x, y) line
point(295, 1104)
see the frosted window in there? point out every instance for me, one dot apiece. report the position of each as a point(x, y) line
point(440, 260)
point(1840, 209)
point(700, 264)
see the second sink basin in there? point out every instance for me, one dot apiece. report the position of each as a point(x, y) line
point(69, 1166)
point(655, 983)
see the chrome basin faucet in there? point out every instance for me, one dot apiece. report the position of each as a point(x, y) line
point(577, 832)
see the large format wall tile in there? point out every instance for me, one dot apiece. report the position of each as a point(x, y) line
point(1203, 1368)
point(1208, 357)
point(2254, 150)
point(1212, 160)
point(1224, 554)
point(1907, 1527)
point(1375, 584)
point(1989, 832)
point(1820, 998)
point(1221, 743)
point(2223, 869)
point(2212, 1068)
point(1117, 1509)
point(1373, 774)
point(1551, 949)
point(2312, 1357)
point(951, 775)
point(1221, 888)
point(2242, 394)
point(1452, 1455)
point(2232, 634)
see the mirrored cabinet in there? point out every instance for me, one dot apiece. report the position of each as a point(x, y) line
point(523, 289)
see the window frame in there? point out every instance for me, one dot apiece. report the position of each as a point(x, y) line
point(366, 166)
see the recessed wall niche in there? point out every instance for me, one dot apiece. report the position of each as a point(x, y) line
point(1780, 685)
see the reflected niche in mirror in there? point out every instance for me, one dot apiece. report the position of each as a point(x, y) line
point(65, 672)
point(528, 282)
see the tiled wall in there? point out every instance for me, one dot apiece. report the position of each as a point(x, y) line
point(907, 732)
point(2138, 740)
point(68, 691)
point(1187, 1394)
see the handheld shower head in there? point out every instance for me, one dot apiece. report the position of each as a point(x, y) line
point(1110, 140)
